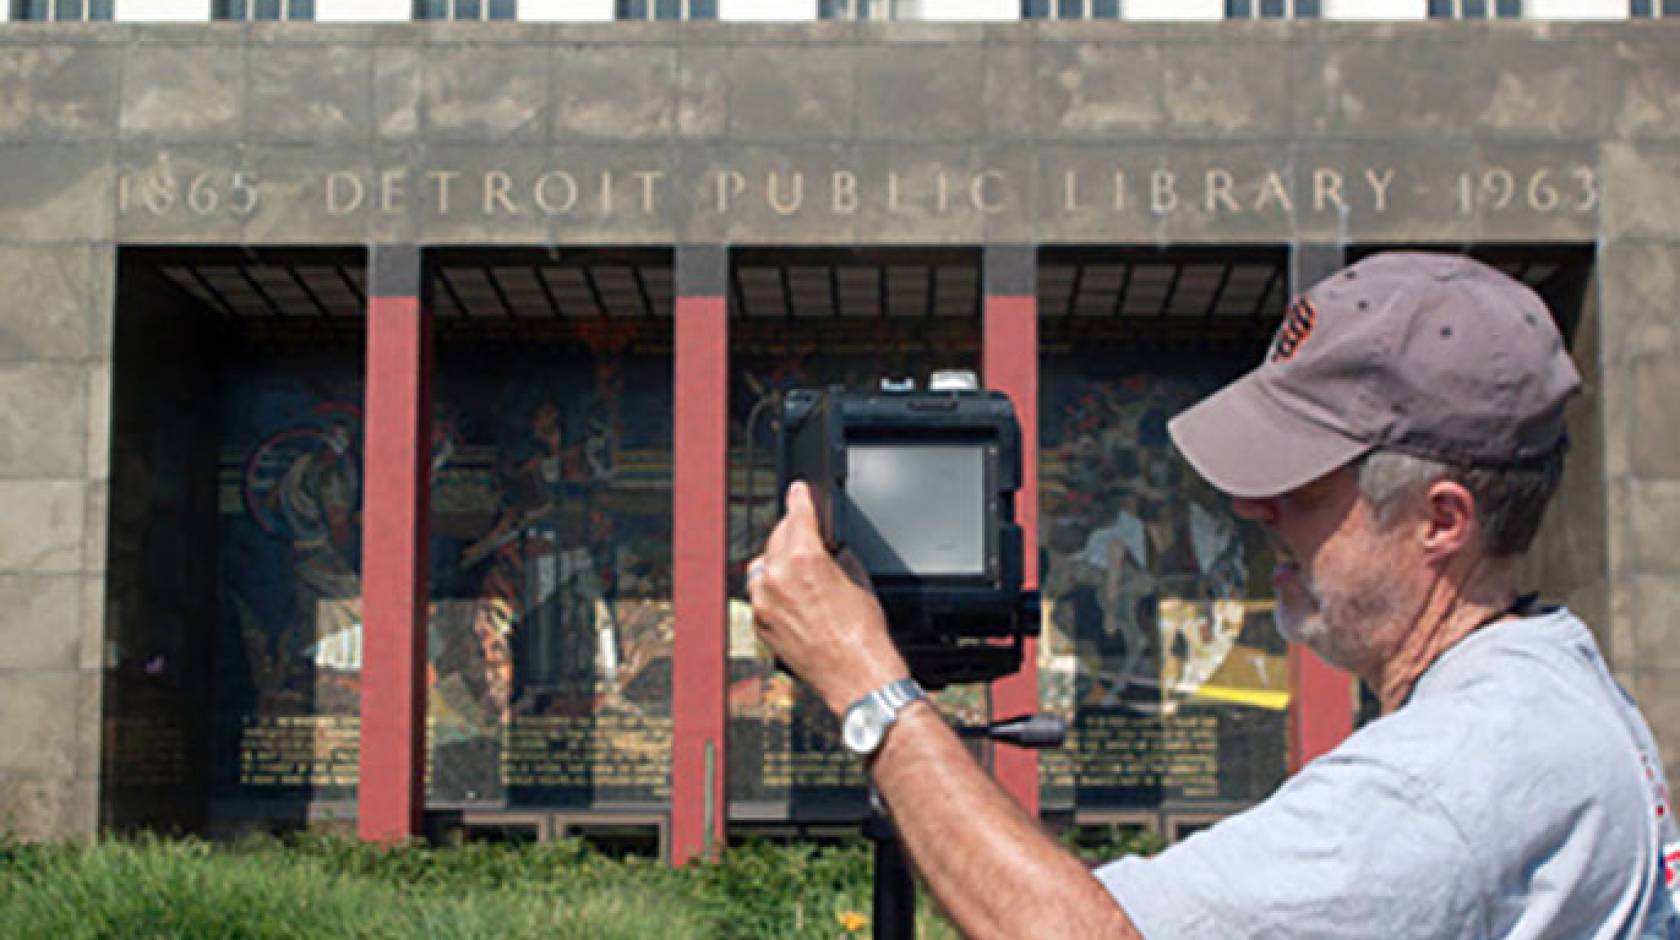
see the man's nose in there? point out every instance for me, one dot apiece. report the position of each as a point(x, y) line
point(1263, 511)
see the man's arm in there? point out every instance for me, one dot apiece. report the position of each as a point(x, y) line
point(993, 869)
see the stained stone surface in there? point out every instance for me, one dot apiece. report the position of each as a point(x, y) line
point(35, 612)
point(43, 420)
point(51, 298)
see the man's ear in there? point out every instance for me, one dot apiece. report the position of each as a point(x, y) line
point(1450, 525)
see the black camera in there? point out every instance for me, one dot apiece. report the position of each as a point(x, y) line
point(921, 486)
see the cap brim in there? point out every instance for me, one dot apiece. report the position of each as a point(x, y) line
point(1245, 444)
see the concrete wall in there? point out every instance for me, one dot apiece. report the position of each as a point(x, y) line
point(1223, 133)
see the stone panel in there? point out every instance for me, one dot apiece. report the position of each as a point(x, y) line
point(1017, 165)
point(40, 624)
point(1639, 281)
point(35, 809)
point(1641, 190)
point(183, 91)
point(1654, 390)
point(49, 302)
point(1537, 193)
point(1645, 89)
point(702, 91)
point(187, 193)
point(90, 722)
point(52, 193)
point(52, 92)
point(310, 93)
point(1230, 192)
point(1107, 91)
point(95, 526)
point(934, 194)
point(745, 195)
point(43, 420)
point(319, 195)
point(43, 530)
point(625, 195)
point(99, 421)
point(483, 194)
point(396, 92)
point(782, 94)
point(921, 93)
point(1414, 83)
point(38, 735)
point(90, 648)
point(1653, 517)
point(1007, 90)
point(1655, 600)
point(1098, 193)
point(483, 94)
point(1225, 89)
point(613, 93)
point(1388, 192)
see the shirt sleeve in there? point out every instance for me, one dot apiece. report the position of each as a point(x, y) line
point(1350, 847)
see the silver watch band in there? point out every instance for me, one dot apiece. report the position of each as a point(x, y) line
point(897, 694)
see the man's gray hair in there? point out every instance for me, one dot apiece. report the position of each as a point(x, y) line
point(1510, 501)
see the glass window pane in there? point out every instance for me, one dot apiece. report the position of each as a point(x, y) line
point(503, 9)
point(632, 9)
point(862, 9)
point(1441, 9)
point(1070, 9)
point(1271, 9)
point(266, 9)
point(1509, 9)
point(432, 9)
point(300, 9)
point(67, 11)
point(1671, 8)
point(101, 9)
point(702, 9)
point(1105, 9)
point(667, 9)
point(1640, 8)
point(466, 9)
point(1306, 9)
point(1237, 9)
point(1035, 9)
point(1475, 9)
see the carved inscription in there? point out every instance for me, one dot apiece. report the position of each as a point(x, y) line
point(630, 192)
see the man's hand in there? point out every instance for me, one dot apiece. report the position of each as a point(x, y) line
point(820, 618)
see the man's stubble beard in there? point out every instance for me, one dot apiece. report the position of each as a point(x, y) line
point(1338, 625)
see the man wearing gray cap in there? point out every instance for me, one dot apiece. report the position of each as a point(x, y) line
point(1398, 444)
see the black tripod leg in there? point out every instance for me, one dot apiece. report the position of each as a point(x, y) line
point(895, 891)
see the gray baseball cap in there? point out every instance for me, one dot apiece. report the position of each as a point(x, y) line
point(1434, 355)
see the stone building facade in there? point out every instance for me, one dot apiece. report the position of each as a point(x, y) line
point(139, 165)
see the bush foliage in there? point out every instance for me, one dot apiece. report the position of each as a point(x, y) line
point(313, 886)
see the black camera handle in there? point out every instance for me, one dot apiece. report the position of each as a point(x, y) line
point(893, 907)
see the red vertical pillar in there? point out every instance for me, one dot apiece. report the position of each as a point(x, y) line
point(1009, 361)
point(1321, 703)
point(1321, 699)
point(700, 552)
point(391, 798)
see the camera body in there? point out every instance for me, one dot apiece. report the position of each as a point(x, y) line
point(921, 486)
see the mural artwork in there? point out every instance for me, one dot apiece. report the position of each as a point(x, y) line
point(1158, 644)
point(550, 624)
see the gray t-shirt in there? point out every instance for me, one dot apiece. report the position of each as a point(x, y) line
point(1517, 793)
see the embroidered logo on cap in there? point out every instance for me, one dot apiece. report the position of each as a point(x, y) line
point(1298, 324)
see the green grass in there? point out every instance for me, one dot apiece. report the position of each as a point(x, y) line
point(315, 887)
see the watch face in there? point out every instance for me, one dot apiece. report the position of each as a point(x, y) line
point(862, 729)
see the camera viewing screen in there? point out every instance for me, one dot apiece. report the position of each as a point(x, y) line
point(923, 508)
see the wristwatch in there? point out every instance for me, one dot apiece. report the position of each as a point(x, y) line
point(867, 719)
